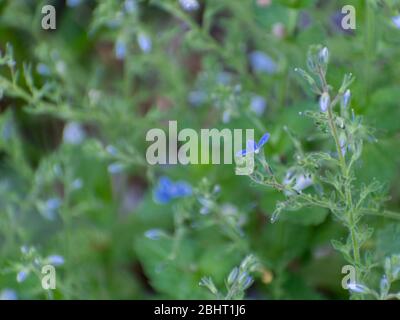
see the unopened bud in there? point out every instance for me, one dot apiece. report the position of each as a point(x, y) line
point(324, 102)
point(324, 55)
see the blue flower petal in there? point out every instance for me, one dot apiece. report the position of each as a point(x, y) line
point(264, 139)
point(261, 62)
point(182, 189)
point(22, 275)
point(396, 21)
point(56, 260)
point(241, 153)
point(251, 146)
point(161, 196)
point(165, 183)
point(167, 190)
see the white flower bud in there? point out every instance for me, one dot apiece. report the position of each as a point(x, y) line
point(324, 102)
point(324, 55)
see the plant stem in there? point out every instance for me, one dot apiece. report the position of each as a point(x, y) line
point(343, 165)
point(344, 169)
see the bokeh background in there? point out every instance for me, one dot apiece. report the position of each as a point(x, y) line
point(75, 187)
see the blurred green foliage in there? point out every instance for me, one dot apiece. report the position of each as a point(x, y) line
point(114, 69)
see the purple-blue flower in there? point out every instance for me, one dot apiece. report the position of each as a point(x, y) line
point(73, 3)
point(396, 21)
point(253, 147)
point(8, 294)
point(22, 275)
point(56, 260)
point(258, 104)
point(189, 5)
point(120, 50)
point(262, 63)
point(154, 234)
point(144, 42)
point(43, 69)
point(168, 190)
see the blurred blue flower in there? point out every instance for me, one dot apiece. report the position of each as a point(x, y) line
point(253, 147)
point(22, 275)
point(112, 150)
point(130, 6)
point(115, 168)
point(258, 105)
point(53, 203)
point(262, 63)
point(25, 249)
point(189, 5)
point(154, 234)
point(8, 294)
point(77, 184)
point(51, 207)
point(167, 190)
point(120, 50)
point(304, 20)
point(56, 260)
point(196, 98)
point(224, 77)
point(73, 3)
point(73, 133)
point(144, 42)
point(43, 69)
point(396, 21)
point(226, 116)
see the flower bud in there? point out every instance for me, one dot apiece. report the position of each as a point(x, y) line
point(324, 102)
point(233, 275)
point(346, 98)
point(324, 56)
point(384, 286)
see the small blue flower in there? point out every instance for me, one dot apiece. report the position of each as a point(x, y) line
point(167, 190)
point(226, 116)
point(258, 105)
point(262, 63)
point(144, 42)
point(196, 98)
point(396, 21)
point(51, 208)
point(130, 6)
point(73, 3)
point(120, 50)
point(253, 147)
point(154, 234)
point(115, 168)
point(112, 150)
point(56, 260)
point(8, 294)
point(22, 275)
point(53, 203)
point(189, 5)
point(25, 249)
point(77, 184)
point(73, 133)
point(43, 69)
